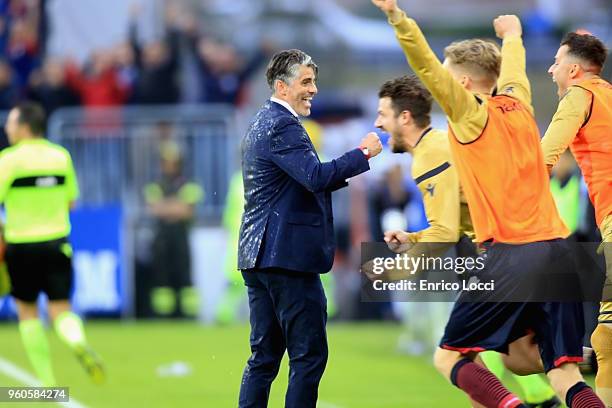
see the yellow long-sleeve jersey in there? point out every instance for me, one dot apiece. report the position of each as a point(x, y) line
point(438, 182)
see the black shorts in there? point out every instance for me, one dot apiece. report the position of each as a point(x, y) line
point(40, 267)
point(480, 326)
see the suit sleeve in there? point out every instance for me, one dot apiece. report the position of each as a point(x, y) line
point(291, 152)
point(339, 186)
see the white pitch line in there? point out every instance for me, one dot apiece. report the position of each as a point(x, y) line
point(13, 371)
point(324, 404)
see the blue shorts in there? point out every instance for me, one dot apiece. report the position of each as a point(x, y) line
point(480, 326)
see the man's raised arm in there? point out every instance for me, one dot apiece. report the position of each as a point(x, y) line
point(297, 158)
point(456, 101)
point(513, 79)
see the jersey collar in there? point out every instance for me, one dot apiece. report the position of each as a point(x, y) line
point(426, 131)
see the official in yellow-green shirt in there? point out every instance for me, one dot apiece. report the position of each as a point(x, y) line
point(171, 200)
point(38, 186)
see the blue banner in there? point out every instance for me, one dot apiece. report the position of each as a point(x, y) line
point(98, 260)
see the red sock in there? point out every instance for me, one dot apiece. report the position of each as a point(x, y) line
point(482, 386)
point(582, 396)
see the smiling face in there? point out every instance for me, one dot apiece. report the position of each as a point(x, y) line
point(563, 70)
point(389, 122)
point(298, 93)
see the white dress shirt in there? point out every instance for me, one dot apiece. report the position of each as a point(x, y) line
point(285, 104)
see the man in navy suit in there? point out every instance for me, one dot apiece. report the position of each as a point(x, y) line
point(287, 237)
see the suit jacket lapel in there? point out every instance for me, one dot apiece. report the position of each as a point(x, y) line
point(278, 106)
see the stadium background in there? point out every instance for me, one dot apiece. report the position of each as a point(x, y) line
point(130, 83)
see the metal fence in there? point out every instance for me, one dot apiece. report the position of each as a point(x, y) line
point(116, 151)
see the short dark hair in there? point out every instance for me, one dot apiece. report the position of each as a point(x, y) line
point(586, 47)
point(33, 115)
point(284, 66)
point(407, 93)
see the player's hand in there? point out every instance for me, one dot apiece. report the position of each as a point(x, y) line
point(386, 6)
point(389, 7)
point(398, 241)
point(372, 143)
point(507, 25)
point(368, 270)
point(387, 275)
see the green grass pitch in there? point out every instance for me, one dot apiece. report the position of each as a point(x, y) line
point(364, 368)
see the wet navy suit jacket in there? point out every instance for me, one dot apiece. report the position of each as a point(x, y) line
point(288, 220)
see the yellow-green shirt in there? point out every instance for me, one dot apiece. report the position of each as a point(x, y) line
point(37, 185)
point(466, 111)
point(187, 192)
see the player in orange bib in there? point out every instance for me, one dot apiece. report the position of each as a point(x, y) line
point(583, 122)
point(495, 145)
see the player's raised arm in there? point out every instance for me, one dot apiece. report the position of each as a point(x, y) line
point(456, 101)
point(513, 79)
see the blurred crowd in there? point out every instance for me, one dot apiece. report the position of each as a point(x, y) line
point(22, 28)
point(188, 64)
point(130, 72)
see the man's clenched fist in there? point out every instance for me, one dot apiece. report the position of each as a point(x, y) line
point(507, 25)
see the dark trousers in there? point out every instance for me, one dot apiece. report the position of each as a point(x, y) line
point(288, 311)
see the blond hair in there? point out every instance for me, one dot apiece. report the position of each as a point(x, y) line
point(479, 57)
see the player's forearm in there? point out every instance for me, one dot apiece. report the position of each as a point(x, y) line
point(428, 250)
point(513, 79)
point(451, 96)
point(557, 138)
point(439, 233)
